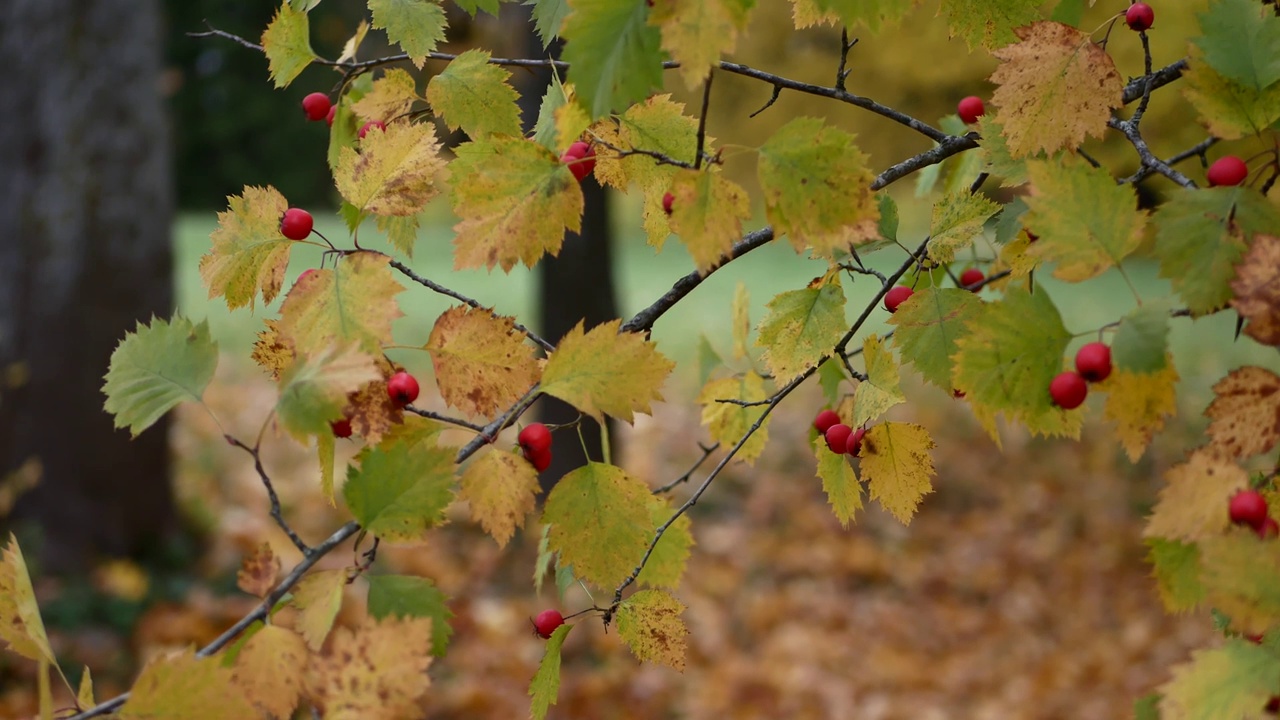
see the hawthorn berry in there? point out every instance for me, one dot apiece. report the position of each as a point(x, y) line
point(1139, 17)
point(896, 296)
point(1031, 237)
point(540, 459)
point(403, 388)
point(1093, 362)
point(1227, 171)
point(534, 437)
point(365, 128)
point(970, 109)
point(341, 428)
point(581, 159)
point(668, 200)
point(854, 443)
point(957, 393)
point(329, 118)
point(296, 224)
point(971, 276)
point(1068, 390)
point(1270, 528)
point(837, 437)
point(316, 106)
point(547, 622)
point(825, 420)
point(1248, 507)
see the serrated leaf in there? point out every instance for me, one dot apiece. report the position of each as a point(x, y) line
point(707, 213)
point(1139, 402)
point(390, 98)
point(269, 670)
point(603, 371)
point(649, 623)
point(1142, 341)
point(352, 46)
point(474, 95)
point(600, 522)
point(343, 133)
point(1055, 87)
point(1085, 221)
point(1201, 235)
point(996, 158)
point(401, 232)
point(354, 302)
point(802, 327)
point(258, 571)
point(416, 25)
point(1241, 574)
point(318, 597)
point(546, 682)
point(515, 200)
point(472, 7)
point(957, 219)
point(697, 32)
point(1176, 566)
point(84, 696)
point(882, 389)
point(872, 13)
point(615, 55)
point(184, 686)
point(839, 481)
point(400, 490)
point(1244, 417)
point(21, 628)
point(313, 391)
point(1233, 681)
point(416, 597)
point(249, 254)
point(501, 488)
point(927, 329)
point(830, 376)
point(375, 670)
point(1257, 290)
point(817, 188)
point(370, 409)
point(270, 352)
point(806, 13)
point(545, 132)
point(989, 23)
point(1229, 110)
point(728, 422)
point(656, 125)
point(156, 367)
point(395, 171)
point(548, 17)
point(897, 466)
point(1241, 41)
point(665, 566)
point(287, 44)
point(482, 362)
point(1192, 506)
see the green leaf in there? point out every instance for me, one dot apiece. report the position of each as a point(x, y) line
point(872, 13)
point(401, 232)
point(411, 596)
point(471, 7)
point(287, 44)
point(603, 371)
point(996, 157)
point(313, 390)
point(957, 220)
point(666, 565)
point(928, 328)
point(839, 481)
point(475, 95)
point(1233, 681)
point(601, 522)
point(708, 359)
point(1201, 235)
point(1009, 224)
point(1148, 706)
point(417, 25)
point(830, 375)
point(546, 682)
point(989, 23)
point(1176, 565)
point(657, 125)
point(342, 134)
point(1241, 575)
point(1242, 42)
point(248, 254)
point(1142, 342)
point(1228, 109)
point(544, 130)
point(400, 490)
point(887, 225)
point(1069, 12)
point(649, 623)
point(615, 54)
point(548, 17)
point(802, 327)
point(156, 367)
point(882, 389)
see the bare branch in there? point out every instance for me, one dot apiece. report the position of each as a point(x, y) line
point(706, 453)
point(271, 493)
point(444, 418)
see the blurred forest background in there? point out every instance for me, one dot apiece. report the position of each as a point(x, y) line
point(1020, 590)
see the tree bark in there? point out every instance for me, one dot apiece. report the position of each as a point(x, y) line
point(85, 219)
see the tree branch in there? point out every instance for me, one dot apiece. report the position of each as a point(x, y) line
point(271, 493)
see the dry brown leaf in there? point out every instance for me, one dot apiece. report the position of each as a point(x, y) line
point(1257, 290)
point(258, 571)
point(1193, 506)
point(1244, 418)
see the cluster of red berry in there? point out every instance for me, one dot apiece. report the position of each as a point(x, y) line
point(581, 159)
point(841, 439)
point(1093, 364)
point(535, 441)
point(1248, 507)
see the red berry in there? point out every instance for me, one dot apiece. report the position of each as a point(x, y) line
point(1031, 237)
point(1093, 362)
point(535, 437)
point(547, 622)
point(1255, 639)
point(1068, 390)
point(365, 128)
point(971, 276)
point(854, 443)
point(1273, 705)
point(896, 296)
point(403, 388)
point(1227, 171)
point(329, 118)
point(825, 420)
point(970, 109)
point(957, 393)
point(1248, 507)
point(296, 224)
point(540, 459)
point(1139, 16)
point(581, 159)
point(316, 106)
point(1270, 528)
point(837, 437)
point(667, 201)
point(341, 428)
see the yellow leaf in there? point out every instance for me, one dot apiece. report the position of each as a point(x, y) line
point(187, 687)
point(806, 13)
point(604, 371)
point(269, 670)
point(601, 522)
point(395, 172)
point(698, 32)
point(666, 565)
point(571, 121)
point(1139, 403)
point(501, 487)
point(258, 571)
point(707, 214)
point(882, 389)
point(802, 327)
point(1055, 87)
point(84, 697)
point(318, 598)
point(839, 482)
point(1257, 289)
point(649, 623)
point(1229, 110)
point(897, 466)
point(741, 320)
point(20, 625)
point(1241, 575)
point(377, 670)
point(353, 302)
point(287, 44)
point(326, 447)
point(728, 422)
point(270, 352)
point(656, 125)
point(957, 219)
point(1244, 417)
point(249, 253)
point(1233, 681)
point(1193, 505)
point(353, 43)
point(482, 362)
point(391, 98)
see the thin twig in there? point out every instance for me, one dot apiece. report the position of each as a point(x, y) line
point(773, 98)
point(702, 120)
point(706, 453)
point(444, 418)
point(271, 494)
point(1131, 132)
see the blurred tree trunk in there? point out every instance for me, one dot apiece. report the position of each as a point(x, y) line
point(577, 285)
point(85, 216)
